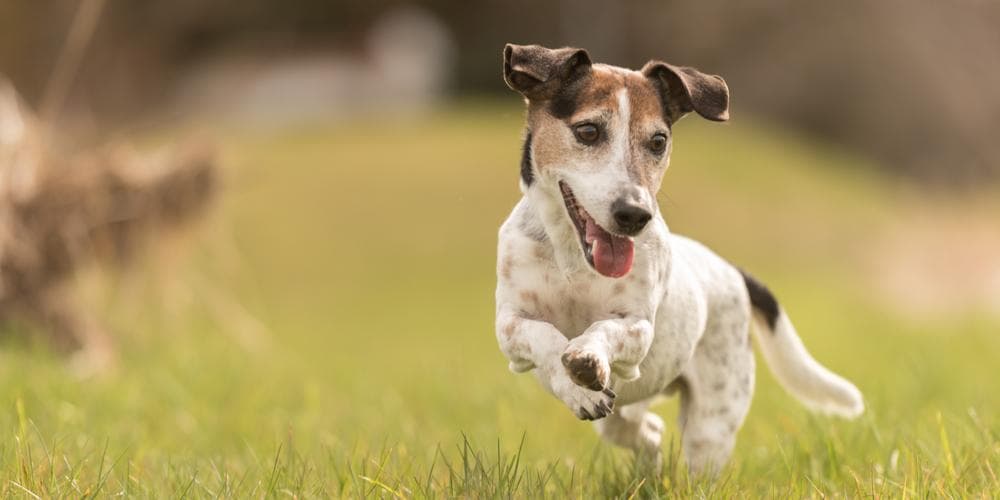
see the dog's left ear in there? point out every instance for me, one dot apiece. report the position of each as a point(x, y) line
point(685, 89)
point(539, 72)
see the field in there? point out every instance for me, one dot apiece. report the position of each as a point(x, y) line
point(329, 333)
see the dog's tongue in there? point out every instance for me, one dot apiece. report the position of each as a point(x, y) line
point(612, 254)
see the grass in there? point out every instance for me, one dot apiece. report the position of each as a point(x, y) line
point(330, 335)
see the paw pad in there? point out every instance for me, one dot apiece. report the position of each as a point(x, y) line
point(586, 370)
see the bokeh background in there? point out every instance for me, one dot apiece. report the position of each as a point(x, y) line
point(335, 303)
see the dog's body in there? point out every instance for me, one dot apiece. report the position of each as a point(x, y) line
point(599, 298)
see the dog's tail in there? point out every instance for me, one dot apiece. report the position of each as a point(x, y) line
point(801, 375)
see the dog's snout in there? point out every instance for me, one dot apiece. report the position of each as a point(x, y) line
point(629, 217)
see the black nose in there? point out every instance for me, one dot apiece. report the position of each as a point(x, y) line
point(630, 218)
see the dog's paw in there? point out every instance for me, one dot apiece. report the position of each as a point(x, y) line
point(651, 429)
point(586, 368)
point(587, 404)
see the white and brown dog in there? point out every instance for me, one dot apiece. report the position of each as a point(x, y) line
point(598, 297)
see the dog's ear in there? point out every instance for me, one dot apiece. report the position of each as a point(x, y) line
point(685, 89)
point(538, 72)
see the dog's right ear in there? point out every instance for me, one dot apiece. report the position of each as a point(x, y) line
point(539, 73)
point(685, 89)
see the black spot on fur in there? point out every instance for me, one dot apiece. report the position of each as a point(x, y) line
point(527, 175)
point(562, 106)
point(565, 102)
point(762, 299)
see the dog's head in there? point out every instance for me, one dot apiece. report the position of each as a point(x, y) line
point(599, 138)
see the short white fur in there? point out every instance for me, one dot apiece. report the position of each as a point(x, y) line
point(679, 322)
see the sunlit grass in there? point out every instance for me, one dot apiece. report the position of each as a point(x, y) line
point(331, 335)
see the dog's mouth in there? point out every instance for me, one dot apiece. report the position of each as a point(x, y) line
point(609, 254)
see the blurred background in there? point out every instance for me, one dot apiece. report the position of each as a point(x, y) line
point(340, 283)
point(913, 86)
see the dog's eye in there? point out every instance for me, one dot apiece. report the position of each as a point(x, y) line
point(658, 144)
point(587, 133)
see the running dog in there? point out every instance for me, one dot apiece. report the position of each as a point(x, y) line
point(597, 296)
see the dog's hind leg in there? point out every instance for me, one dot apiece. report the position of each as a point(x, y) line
point(636, 428)
point(69, 328)
point(715, 392)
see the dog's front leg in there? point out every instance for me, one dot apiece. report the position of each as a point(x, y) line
point(611, 345)
point(532, 344)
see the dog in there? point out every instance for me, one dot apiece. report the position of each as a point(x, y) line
point(599, 298)
point(60, 212)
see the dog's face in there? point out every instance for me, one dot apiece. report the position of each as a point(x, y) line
point(599, 140)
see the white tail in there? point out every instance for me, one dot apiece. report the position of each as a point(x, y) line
point(801, 375)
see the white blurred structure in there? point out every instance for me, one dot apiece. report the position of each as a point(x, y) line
point(11, 123)
point(405, 65)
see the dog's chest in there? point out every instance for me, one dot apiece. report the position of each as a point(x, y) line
point(573, 303)
point(574, 299)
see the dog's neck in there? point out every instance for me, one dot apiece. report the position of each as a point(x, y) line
point(546, 211)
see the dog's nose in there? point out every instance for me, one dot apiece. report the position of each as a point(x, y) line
point(630, 218)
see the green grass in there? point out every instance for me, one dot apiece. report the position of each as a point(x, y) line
point(330, 334)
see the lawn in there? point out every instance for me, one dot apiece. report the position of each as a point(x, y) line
point(328, 332)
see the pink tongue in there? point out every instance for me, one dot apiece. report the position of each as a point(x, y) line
point(612, 254)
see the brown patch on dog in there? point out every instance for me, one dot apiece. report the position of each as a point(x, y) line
point(541, 252)
point(548, 311)
point(594, 92)
point(539, 310)
point(645, 119)
point(564, 86)
point(509, 249)
point(511, 327)
point(618, 288)
point(597, 92)
point(520, 345)
point(572, 308)
point(505, 268)
point(723, 359)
